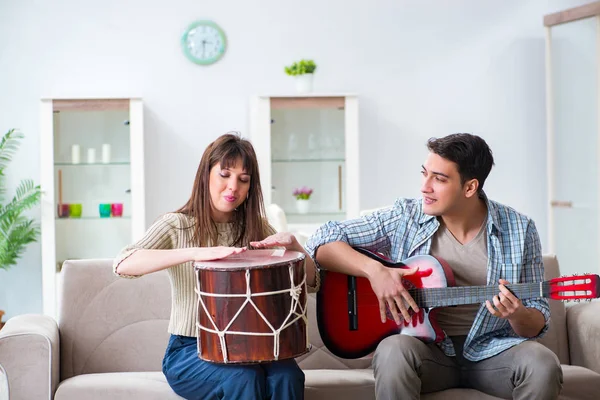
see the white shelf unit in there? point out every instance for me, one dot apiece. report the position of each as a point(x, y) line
point(308, 140)
point(89, 123)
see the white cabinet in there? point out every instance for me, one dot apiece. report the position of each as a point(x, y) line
point(92, 179)
point(308, 141)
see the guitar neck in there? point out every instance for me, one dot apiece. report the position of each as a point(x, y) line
point(454, 296)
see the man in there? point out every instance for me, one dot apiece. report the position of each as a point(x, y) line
point(487, 346)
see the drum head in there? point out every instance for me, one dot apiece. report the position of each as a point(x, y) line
point(267, 258)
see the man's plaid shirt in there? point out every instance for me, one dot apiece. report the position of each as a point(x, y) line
point(403, 230)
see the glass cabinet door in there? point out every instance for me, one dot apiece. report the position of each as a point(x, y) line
point(92, 179)
point(308, 153)
point(574, 153)
point(92, 187)
point(308, 143)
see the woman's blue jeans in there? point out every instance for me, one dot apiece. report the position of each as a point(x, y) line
point(193, 378)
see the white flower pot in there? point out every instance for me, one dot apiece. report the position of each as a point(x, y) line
point(304, 83)
point(303, 206)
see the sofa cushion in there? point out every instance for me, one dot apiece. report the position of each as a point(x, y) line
point(328, 384)
point(359, 384)
point(116, 386)
point(459, 394)
point(579, 383)
point(321, 384)
point(111, 324)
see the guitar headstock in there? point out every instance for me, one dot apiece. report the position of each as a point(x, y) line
point(575, 287)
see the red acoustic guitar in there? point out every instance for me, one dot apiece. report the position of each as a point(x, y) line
point(348, 310)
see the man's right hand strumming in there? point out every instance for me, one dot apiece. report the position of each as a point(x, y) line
point(390, 291)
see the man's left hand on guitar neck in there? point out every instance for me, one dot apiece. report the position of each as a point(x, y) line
point(526, 322)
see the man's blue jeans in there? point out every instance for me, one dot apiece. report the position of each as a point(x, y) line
point(193, 378)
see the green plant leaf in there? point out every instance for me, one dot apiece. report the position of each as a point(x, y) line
point(20, 233)
point(16, 230)
point(301, 67)
point(8, 147)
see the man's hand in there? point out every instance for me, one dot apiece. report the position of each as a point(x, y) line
point(526, 322)
point(505, 305)
point(388, 287)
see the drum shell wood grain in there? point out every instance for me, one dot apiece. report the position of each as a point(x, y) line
point(274, 307)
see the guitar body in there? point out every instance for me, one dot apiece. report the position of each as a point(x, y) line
point(333, 300)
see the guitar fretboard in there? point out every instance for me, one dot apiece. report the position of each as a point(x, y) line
point(453, 296)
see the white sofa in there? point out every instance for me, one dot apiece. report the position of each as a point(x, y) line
point(112, 333)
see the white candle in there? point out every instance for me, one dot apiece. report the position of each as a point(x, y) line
point(106, 153)
point(91, 158)
point(75, 154)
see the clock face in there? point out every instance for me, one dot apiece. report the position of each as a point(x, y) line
point(204, 42)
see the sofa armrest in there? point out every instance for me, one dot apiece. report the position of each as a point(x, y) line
point(29, 356)
point(583, 326)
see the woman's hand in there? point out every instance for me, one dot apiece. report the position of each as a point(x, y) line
point(289, 242)
point(214, 253)
point(280, 239)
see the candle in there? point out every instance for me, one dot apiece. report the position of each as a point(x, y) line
point(106, 153)
point(75, 154)
point(91, 157)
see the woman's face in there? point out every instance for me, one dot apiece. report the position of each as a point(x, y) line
point(228, 190)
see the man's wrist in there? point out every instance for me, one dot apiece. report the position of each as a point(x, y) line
point(520, 316)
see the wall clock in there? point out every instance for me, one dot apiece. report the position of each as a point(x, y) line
point(204, 42)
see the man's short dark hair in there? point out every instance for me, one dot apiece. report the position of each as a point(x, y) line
point(469, 152)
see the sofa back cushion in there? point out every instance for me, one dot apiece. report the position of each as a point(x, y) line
point(556, 338)
point(319, 357)
point(111, 324)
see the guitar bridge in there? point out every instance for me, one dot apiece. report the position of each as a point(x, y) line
point(352, 309)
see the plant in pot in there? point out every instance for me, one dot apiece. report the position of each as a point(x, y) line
point(302, 199)
point(303, 71)
point(16, 229)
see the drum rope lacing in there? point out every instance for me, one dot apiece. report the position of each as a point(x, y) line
point(295, 291)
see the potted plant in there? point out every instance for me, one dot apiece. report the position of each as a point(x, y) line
point(16, 229)
point(303, 71)
point(302, 199)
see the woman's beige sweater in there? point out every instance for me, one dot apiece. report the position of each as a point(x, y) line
point(173, 231)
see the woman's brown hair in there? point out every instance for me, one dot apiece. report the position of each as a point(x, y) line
point(250, 223)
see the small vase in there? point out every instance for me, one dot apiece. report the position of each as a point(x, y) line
point(304, 83)
point(303, 206)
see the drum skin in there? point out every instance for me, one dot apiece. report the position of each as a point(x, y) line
point(266, 274)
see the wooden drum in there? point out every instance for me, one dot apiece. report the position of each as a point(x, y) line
point(252, 307)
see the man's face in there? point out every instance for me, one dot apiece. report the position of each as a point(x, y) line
point(442, 190)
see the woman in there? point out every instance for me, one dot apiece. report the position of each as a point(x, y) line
point(224, 215)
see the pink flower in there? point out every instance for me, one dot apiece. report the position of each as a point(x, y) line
point(302, 193)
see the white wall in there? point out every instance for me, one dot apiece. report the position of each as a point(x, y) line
point(422, 69)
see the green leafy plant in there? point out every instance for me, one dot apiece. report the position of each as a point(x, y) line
point(16, 230)
point(301, 67)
